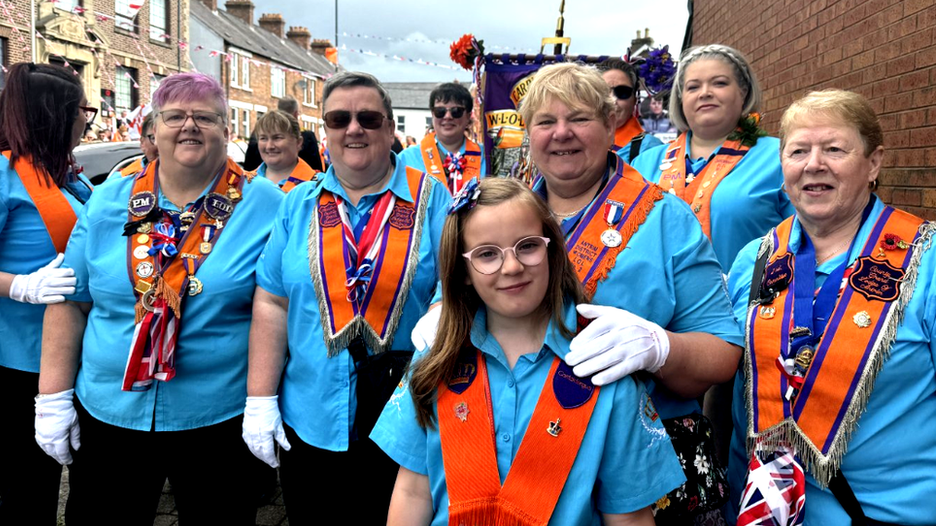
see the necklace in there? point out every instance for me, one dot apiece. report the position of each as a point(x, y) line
point(838, 250)
point(569, 214)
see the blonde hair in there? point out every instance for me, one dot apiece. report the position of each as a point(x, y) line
point(461, 302)
point(575, 85)
point(848, 107)
point(279, 121)
point(743, 74)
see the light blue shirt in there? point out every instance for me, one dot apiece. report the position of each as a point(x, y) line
point(413, 158)
point(648, 142)
point(668, 275)
point(746, 204)
point(317, 397)
point(25, 246)
point(210, 385)
point(890, 462)
point(625, 463)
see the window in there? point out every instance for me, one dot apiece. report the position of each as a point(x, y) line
point(240, 70)
point(401, 123)
point(125, 97)
point(246, 124)
point(308, 92)
point(126, 15)
point(4, 61)
point(428, 123)
point(277, 82)
point(234, 121)
point(67, 5)
point(155, 80)
point(159, 28)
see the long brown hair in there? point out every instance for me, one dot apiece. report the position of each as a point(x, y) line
point(460, 302)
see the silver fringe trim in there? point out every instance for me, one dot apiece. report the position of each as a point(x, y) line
point(359, 327)
point(787, 432)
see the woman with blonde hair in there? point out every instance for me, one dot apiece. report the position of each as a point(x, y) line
point(279, 140)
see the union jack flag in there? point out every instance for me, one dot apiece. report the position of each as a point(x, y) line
point(775, 491)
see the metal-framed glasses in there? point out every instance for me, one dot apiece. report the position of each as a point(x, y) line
point(89, 113)
point(488, 259)
point(202, 119)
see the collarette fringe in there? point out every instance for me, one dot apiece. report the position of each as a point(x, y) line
point(490, 511)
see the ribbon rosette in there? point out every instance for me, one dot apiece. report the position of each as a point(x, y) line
point(466, 197)
point(893, 242)
point(164, 240)
point(455, 163)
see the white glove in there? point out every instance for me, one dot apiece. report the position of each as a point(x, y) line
point(49, 284)
point(57, 425)
point(263, 423)
point(616, 344)
point(424, 333)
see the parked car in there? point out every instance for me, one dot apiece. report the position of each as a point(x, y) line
point(100, 159)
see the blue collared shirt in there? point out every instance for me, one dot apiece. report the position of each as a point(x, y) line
point(317, 397)
point(746, 203)
point(25, 246)
point(649, 141)
point(413, 157)
point(668, 275)
point(891, 458)
point(210, 385)
point(625, 462)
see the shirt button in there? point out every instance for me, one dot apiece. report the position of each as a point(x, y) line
point(510, 383)
point(506, 437)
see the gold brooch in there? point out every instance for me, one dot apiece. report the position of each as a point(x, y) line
point(862, 319)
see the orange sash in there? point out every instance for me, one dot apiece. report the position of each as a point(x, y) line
point(395, 265)
point(133, 168)
point(302, 173)
point(590, 257)
point(838, 381)
point(553, 438)
point(625, 134)
point(172, 282)
point(435, 162)
point(698, 191)
point(54, 209)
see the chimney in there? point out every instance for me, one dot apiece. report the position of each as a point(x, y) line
point(273, 22)
point(211, 4)
point(320, 45)
point(242, 9)
point(300, 35)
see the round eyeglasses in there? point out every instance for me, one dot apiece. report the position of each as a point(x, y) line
point(488, 259)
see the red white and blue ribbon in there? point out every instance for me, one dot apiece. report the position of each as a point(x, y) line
point(455, 166)
point(613, 212)
point(365, 240)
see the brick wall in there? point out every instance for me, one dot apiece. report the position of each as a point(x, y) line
point(16, 51)
point(883, 49)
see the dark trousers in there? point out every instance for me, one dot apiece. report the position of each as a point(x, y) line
point(29, 479)
point(336, 487)
point(118, 474)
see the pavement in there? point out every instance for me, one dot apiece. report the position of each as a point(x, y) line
point(271, 513)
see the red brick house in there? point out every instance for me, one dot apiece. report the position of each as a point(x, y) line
point(258, 64)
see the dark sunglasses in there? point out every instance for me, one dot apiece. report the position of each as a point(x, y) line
point(368, 119)
point(622, 92)
point(439, 112)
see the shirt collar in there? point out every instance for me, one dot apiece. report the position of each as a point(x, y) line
point(796, 236)
point(554, 342)
point(398, 183)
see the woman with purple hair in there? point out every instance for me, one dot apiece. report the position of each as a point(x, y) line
point(153, 342)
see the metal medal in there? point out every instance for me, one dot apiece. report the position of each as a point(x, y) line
point(204, 247)
point(141, 252)
point(144, 269)
point(145, 228)
point(142, 239)
point(195, 286)
point(611, 238)
point(149, 300)
point(142, 203)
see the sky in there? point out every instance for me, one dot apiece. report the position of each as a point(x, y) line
point(519, 25)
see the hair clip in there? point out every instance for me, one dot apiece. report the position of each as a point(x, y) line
point(467, 196)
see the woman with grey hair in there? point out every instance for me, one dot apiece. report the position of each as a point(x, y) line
point(722, 163)
point(349, 269)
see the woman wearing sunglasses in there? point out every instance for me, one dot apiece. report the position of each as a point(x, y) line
point(153, 344)
point(630, 140)
point(446, 153)
point(43, 114)
point(349, 269)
